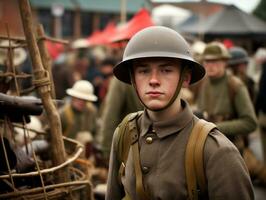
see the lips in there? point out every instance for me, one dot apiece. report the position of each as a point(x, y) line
point(154, 93)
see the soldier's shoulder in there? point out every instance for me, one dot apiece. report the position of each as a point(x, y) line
point(216, 140)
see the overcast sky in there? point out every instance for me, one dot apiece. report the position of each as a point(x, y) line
point(246, 5)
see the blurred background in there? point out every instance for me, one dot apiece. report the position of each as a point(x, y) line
point(86, 38)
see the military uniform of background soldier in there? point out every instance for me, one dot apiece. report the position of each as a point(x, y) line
point(121, 99)
point(224, 99)
point(79, 115)
point(158, 60)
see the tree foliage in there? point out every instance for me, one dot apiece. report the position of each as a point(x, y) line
point(260, 10)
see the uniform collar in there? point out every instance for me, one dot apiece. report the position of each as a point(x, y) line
point(167, 127)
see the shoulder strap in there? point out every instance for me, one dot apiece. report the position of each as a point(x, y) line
point(127, 137)
point(124, 139)
point(194, 165)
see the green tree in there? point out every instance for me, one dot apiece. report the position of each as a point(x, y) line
point(259, 11)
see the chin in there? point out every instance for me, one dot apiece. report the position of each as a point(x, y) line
point(155, 107)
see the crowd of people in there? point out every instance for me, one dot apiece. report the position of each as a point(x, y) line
point(100, 85)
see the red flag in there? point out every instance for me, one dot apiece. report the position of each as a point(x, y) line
point(54, 49)
point(141, 20)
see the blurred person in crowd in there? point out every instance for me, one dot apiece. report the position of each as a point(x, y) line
point(120, 100)
point(197, 49)
point(81, 66)
point(238, 63)
point(224, 100)
point(79, 115)
point(79, 121)
point(261, 100)
point(106, 69)
point(96, 55)
point(63, 77)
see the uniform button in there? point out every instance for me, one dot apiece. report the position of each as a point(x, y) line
point(149, 140)
point(153, 131)
point(145, 170)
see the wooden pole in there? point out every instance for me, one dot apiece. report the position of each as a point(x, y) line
point(46, 59)
point(77, 23)
point(123, 14)
point(43, 88)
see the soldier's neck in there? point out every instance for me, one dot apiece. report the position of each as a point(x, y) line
point(168, 113)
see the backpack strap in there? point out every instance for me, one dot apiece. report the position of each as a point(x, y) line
point(194, 161)
point(124, 141)
point(128, 136)
point(136, 159)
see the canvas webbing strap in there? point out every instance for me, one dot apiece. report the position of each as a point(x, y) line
point(194, 158)
point(142, 195)
point(199, 152)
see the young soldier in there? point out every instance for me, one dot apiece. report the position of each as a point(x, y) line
point(157, 62)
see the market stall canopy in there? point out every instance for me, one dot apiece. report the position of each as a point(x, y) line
point(230, 22)
point(140, 20)
point(102, 38)
point(97, 37)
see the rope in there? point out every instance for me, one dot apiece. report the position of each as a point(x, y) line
point(21, 75)
point(43, 79)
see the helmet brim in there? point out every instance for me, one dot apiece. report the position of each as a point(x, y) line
point(79, 95)
point(238, 61)
point(122, 70)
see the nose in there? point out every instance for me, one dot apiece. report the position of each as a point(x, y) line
point(154, 79)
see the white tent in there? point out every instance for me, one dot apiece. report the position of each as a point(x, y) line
point(168, 15)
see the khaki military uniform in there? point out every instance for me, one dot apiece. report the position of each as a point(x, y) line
point(163, 162)
point(235, 117)
point(232, 116)
point(121, 99)
point(80, 121)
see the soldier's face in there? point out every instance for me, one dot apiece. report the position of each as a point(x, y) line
point(156, 80)
point(215, 68)
point(78, 104)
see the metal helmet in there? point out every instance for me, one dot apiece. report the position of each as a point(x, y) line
point(238, 56)
point(215, 50)
point(157, 41)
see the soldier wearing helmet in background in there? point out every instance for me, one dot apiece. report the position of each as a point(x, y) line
point(157, 63)
point(238, 63)
point(224, 100)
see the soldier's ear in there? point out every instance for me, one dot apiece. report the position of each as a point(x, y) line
point(187, 78)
